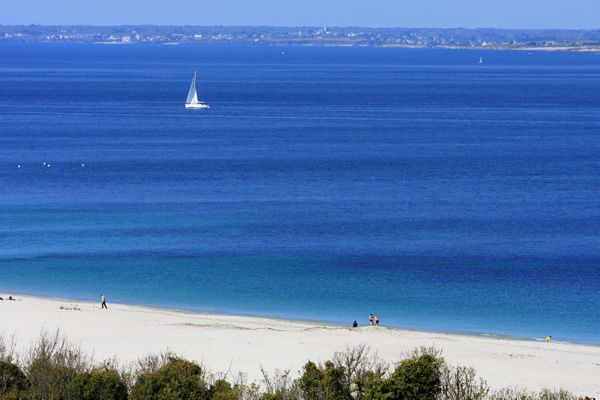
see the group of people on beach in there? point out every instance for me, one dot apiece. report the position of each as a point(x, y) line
point(373, 320)
point(10, 298)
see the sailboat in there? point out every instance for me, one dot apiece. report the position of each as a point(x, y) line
point(192, 97)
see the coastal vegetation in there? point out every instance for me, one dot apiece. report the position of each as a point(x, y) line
point(54, 369)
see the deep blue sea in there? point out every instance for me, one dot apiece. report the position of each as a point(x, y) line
point(324, 183)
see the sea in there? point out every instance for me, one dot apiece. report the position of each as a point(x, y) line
point(324, 183)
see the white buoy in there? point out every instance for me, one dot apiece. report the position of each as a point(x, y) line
point(47, 165)
point(82, 164)
point(44, 163)
point(19, 166)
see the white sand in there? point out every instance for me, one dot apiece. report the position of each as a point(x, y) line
point(245, 344)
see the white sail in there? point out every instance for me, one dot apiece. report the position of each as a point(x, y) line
point(192, 97)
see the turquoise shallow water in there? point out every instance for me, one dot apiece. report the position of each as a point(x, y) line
point(326, 183)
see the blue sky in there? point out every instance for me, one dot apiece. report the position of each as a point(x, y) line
point(377, 13)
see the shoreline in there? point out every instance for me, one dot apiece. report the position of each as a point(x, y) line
point(244, 344)
point(335, 324)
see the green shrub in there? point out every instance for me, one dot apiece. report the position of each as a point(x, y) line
point(52, 364)
point(12, 380)
point(310, 382)
point(373, 386)
point(278, 386)
point(416, 378)
point(177, 380)
point(334, 383)
point(362, 369)
point(328, 383)
point(561, 394)
point(511, 394)
point(461, 383)
point(222, 390)
point(271, 396)
point(99, 384)
point(48, 381)
point(7, 349)
point(521, 394)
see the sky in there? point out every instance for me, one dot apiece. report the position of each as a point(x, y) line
point(536, 14)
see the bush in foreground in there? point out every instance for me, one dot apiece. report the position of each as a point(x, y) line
point(222, 390)
point(177, 380)
point(101, 383)
point(461, 383)
point(324, 383)
point(12, 380)
point(545, 394)
point(56, 370)
point(416, 378)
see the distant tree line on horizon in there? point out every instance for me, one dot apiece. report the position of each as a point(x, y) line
point(458, 37)
point(53, 369)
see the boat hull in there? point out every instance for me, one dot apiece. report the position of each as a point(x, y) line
point(196, 105)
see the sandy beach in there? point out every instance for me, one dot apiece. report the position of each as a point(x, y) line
point(245, 344)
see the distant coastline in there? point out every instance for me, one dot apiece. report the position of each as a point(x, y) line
point(487, 48)
point(455, 38)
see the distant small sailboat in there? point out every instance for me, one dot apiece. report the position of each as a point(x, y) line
point(192, 97)
point(480, 60)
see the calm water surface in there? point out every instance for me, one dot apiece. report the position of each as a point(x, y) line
point(324, 183)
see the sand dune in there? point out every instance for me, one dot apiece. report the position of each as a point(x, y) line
point(245, 344)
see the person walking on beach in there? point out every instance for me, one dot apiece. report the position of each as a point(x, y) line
point(372, 319)
point(103, 301)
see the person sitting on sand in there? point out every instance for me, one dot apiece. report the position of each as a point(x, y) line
point(371, 319)
point(548, 339)
point(103, 301)
point(11, 298)
point(355, 324)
